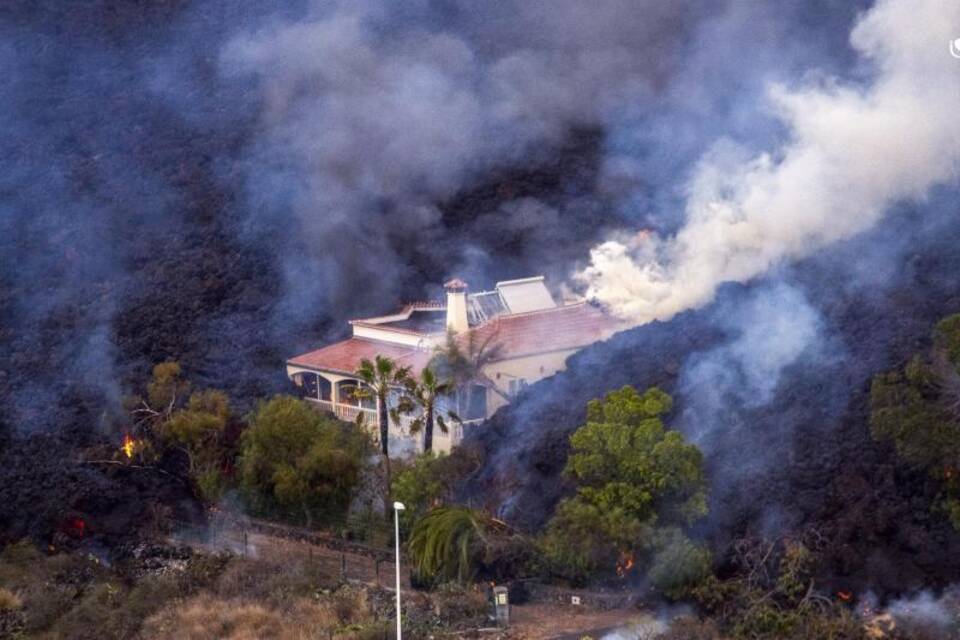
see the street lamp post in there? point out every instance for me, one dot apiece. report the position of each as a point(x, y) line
point(397, 508)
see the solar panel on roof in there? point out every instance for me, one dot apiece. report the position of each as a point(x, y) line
point(529, 294)
point(484, 306)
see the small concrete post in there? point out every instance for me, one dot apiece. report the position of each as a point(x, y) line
point(501, 602)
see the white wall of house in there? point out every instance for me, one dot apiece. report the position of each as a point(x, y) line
point(511, 375)
point(385, 334)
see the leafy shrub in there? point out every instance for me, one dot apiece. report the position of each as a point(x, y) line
point(917, 409)
point(428, 482)
point(772, 596)
point(298, 463)
point(582, 539)
point(211, 484)
point(419, 486)
point(678, 564)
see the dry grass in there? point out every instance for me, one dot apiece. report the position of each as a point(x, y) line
point(206, 617)
point(275, 583)
point(9, 601)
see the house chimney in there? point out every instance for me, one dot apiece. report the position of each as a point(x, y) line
point(457, 306)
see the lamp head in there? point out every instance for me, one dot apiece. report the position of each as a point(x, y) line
point(398, 506)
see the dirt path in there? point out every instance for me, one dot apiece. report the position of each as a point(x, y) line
point(549, 621)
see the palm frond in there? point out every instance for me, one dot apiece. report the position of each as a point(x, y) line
point(417, 425)
point(446, 542)
point(394, 415)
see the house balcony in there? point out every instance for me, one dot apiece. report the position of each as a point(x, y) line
point(401, 438)
point(345, 412)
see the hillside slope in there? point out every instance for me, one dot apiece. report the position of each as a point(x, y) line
point(787, 437)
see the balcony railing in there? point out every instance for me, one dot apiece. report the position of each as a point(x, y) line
point(349, 413)
point(346, 412)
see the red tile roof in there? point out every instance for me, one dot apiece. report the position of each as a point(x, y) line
point(519, 334)
point(558, 329)
point(344, 357)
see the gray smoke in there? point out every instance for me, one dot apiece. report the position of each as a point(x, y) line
point(372, 114)
point(771, 330)
point(853, 150)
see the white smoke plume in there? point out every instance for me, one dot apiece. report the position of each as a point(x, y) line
point(854, 149)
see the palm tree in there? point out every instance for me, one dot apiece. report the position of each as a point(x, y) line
point(463, 365)
point(380, 377)
point(424, 394)
point(447, 541)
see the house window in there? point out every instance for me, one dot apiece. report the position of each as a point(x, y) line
point(307, 382)
point(347, 392)
point(325, 389)
point(516, 386)
point(473, 402)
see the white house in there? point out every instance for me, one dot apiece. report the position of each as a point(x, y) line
point(534, 337)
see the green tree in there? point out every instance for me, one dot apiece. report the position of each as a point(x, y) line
point(423, 394)
point(624, 457)
point(198, 432)
point(917, 409)
point(166, 392)
point(298, 462)
point(634, 477)
point(167, 387)
point(419, 487)
point(169, 417)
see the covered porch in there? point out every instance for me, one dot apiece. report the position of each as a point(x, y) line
point(336, 394)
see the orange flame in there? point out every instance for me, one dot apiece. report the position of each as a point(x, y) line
point(129, 444)
point(625, 564)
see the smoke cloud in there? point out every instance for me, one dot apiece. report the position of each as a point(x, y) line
point(853, 150)
point(374, 115)
point(770, 330)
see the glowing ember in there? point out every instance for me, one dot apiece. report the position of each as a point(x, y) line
point(129, 444)
point(75, 527)
point(625, 564)
point(846, 596)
